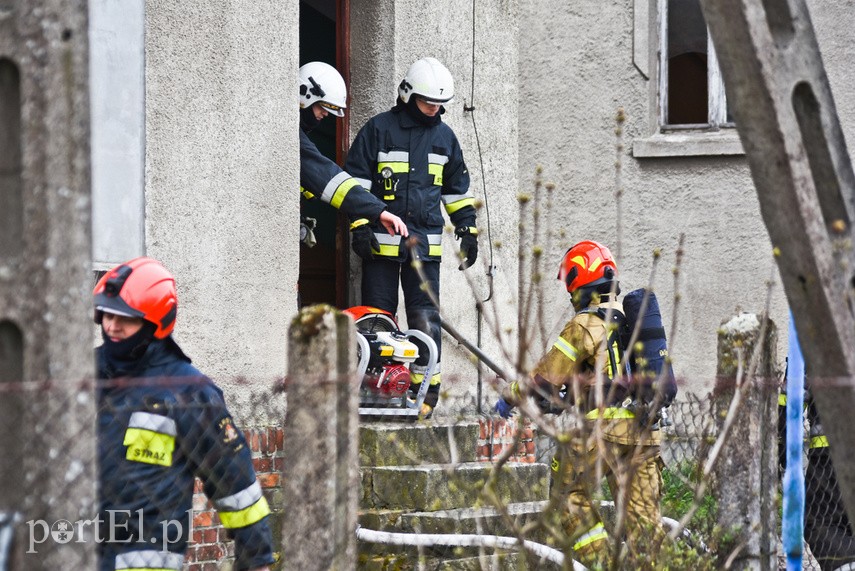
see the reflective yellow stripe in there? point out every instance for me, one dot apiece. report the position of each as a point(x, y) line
point(610, 413)
point(453, 207)
point(566, 348)
point(596, 533)
point(359, 222)
point(819, 442)
point(341, 192)
point(782, 399)
point(149, 447)
point(388, 250)
point(436, 379)
point(436, 171)
point(595, 264)
point(248, 516)
point(396, 167)
point(435, 250)
point(306, 193)
point(386, 350)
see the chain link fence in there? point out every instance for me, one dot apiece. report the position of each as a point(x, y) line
point(450, 480)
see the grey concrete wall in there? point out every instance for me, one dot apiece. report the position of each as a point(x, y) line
point(222, 177)
point(386, 38)
point(576, 69)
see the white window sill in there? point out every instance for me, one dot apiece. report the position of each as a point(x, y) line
point(693, 144)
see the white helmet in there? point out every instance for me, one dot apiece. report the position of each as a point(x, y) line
point(430, 79)
point(321, 82)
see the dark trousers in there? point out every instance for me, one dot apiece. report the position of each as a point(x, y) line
point(380, 289)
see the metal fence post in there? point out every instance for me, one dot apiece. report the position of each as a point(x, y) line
point(321, 470)
point(746, 476)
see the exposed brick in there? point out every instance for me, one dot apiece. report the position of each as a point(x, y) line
point(209, 552)
point(198, 488)
point(280, 439)
point(198, 536)
point(211, 535)
point(200, 502)
point(203, 519)
point(268, 480)
point(263, 464)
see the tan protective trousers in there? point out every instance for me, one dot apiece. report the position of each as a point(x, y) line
point(634, 475)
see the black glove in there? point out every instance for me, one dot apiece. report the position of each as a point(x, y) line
point(468, 246)
point(364, 242)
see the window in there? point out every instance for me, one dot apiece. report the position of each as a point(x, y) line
point(691, 91)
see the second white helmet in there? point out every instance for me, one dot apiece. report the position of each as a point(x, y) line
point(429, 79)
point(322, 83)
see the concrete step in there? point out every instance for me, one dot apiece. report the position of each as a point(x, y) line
point(484, 520)
point(395, 444)
point(433, 487)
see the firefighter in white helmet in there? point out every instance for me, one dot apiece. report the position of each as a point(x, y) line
point(412, 160)
point(323, 92)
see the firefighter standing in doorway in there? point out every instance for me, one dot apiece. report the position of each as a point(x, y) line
point(588, 357)
point(162, 423)
point(412, 160)
point(323, 92)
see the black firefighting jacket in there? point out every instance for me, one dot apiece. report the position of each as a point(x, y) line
point(413, 169)
point(323, 179)
point(160, 424)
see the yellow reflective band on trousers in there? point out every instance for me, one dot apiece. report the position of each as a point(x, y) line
point(596, 533)
point(819, 442)
point(566, 348)
point(782, 399)
point(389, 245)
point(610, 413)
point(418, 378)
point(245, 517)
point(306, 193)
point(149, 447)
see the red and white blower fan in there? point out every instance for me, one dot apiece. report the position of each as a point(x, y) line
point(385, 354)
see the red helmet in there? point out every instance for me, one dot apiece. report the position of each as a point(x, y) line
point(587, 263)
point(139, 288)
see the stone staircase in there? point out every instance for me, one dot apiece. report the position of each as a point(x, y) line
point(425, 478)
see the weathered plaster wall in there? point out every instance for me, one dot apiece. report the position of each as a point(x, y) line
point(576, 70)
point(386, 38)
point(222, 177)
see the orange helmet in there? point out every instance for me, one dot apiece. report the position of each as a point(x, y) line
point(587, 264)
point(139, 288)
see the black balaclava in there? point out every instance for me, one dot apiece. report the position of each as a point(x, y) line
point(123, 356)
point(308, 121)
point(419, 117)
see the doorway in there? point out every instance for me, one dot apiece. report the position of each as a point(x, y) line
point(323, 267)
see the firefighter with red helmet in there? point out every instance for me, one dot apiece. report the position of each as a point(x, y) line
point(413, 161)
point(583, 371)
point(162, 423)
point(322, 93)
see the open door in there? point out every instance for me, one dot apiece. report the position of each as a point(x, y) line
point(323, 268)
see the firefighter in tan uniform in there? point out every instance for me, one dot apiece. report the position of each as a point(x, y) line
point(583, 371)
